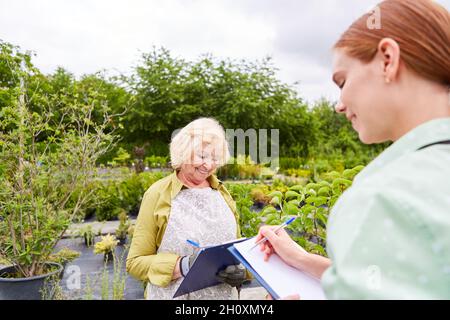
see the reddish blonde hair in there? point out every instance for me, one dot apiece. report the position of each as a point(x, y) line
point(420, 27)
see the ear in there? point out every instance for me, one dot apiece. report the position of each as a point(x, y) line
point(389, 53)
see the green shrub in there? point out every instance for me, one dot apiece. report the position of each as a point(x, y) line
point(123, 194)
point(64, 256)
point(301, 173)
point(291, 163)
point(248, 221)
point(156, 161)
point(122, 158)
point(310, 203)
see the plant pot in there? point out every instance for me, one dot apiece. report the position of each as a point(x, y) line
point(26, 288)
point(122, 241)
point(108, 257)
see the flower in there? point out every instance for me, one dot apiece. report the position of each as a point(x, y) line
point(106, 245)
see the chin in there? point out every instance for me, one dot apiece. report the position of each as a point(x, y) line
point(370, 139)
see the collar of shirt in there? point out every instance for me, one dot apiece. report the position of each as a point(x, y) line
point(427, 133)
point(177, 185)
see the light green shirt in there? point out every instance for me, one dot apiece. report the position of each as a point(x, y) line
point(389, 234)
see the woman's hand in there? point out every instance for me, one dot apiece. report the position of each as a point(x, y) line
point(281, 244)
point(176, 271)
point(290, 252)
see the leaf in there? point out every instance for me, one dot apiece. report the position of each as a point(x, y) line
point(322, 218)
point(275, 201)
point(295, 203)
point(277, 194)
point(269, 210)
point(324, 191)
point(290, 209)
point(291, 194)
point(341, 181)
point(297, 188)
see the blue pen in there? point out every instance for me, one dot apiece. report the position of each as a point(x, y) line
point(193, 243)
point(282, 226)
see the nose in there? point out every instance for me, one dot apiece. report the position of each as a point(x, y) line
point(208, 164)
point(340, 107)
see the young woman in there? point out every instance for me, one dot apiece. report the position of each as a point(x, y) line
point(389, 234)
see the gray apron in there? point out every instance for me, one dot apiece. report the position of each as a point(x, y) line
point(201, 215)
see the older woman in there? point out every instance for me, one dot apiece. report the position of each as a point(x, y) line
point(389, 234)
point(191, 203)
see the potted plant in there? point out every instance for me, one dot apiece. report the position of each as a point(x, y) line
point(64, 256)
point(49, 145)
point(122, 230)
point(87, 233)
point(106, 247)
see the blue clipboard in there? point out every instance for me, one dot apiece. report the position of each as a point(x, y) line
point(242, 260)
point(209, 262)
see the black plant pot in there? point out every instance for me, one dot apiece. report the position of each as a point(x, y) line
point(122, 241)
point(108, 257)
point(27, 288)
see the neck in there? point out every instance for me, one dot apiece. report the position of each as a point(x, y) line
point(424, 104)
point(190, 182)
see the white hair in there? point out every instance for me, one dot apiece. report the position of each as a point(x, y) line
point(194, 137)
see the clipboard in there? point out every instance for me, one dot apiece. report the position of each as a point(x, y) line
point(209, 262)
point(278, 278)
point(261, 281)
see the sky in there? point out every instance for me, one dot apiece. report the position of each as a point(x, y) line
point(86, 36)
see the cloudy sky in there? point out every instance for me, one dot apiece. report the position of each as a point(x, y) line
point(85, 36)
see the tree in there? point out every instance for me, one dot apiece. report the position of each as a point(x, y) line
point(47, 169)
point(170, 92)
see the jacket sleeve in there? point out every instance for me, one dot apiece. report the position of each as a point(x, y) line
point(143, 262)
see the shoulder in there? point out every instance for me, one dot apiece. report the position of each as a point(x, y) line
point(420, 173)
point(158, 195)
point(159, 187)
point(412, 192)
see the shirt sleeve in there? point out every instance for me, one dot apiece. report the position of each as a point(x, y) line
point(143, 262)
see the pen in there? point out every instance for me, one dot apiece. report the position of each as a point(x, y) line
point(193, 243)
point(282, 226)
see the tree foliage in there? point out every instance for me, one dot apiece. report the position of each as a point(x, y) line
point(164, 93)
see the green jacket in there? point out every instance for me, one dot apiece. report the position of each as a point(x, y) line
point(143, 261)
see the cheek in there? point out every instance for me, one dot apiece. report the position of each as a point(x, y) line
point(189, 168)
point(197, 163)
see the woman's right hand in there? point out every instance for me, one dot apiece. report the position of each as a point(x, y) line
point(281, 244)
